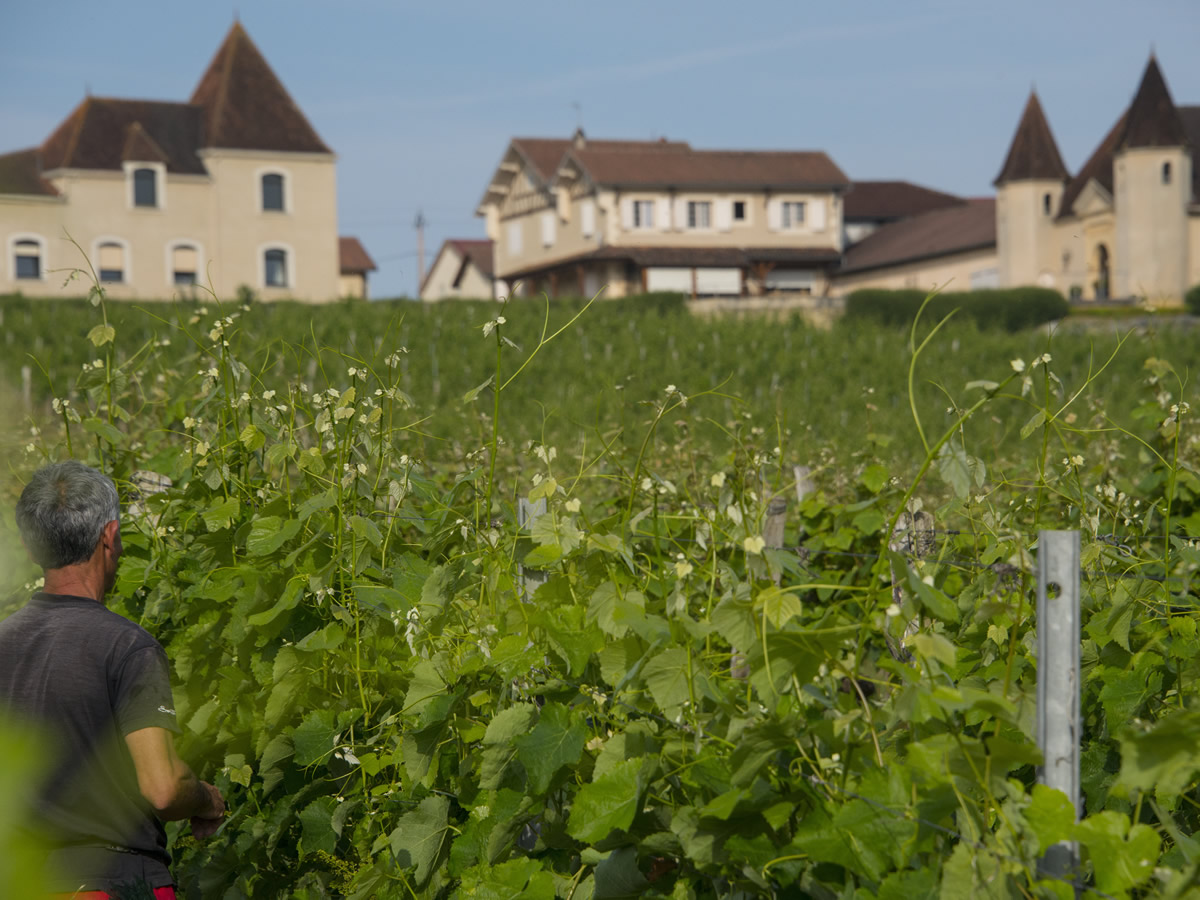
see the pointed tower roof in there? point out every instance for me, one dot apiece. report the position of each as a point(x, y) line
point(1153, 120)
point(246, 106)
point(1033, 153)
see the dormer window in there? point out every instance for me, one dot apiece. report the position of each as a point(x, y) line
point(1166, 173)
point(272, 192)
point(145, 187)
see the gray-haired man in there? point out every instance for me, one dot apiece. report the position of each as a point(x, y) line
point(98, 686)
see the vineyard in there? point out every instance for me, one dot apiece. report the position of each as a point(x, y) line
point(410, 683)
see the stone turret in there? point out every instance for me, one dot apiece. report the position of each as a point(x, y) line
point(1029, 191)
point(1152, 177)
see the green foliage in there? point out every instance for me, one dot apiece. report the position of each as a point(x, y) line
point(1011, 309)
point(406, 691)
point(1192, 299)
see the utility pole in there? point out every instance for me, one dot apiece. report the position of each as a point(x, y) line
point(419, 224)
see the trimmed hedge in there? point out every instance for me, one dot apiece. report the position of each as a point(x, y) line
point(1011, 309)
point(1192, 299)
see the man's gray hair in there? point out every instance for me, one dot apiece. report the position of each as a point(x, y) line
point(62, 513)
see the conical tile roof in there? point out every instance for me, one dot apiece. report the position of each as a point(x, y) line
point(246, 106)
point(1153, 120)
point(1033, 154)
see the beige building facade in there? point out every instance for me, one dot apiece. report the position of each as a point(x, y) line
point(1126, 225)
point(572, 217)
point(230, 190)
point(463, 269)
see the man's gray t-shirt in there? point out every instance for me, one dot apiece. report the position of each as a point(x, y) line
point(87, 677)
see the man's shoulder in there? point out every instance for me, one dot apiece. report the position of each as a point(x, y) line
point(55, 612)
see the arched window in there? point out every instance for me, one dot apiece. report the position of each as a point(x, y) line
point(145, 187)
point(27, 259)
point(111, 258)
point(272, 192)
point(275, 268)
point(184, 264)
point(1166, 173)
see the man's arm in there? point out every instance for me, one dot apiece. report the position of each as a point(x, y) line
point(167, 782)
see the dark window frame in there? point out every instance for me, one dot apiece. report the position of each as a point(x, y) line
point(273, 195)
point(145, 191)
point(275, 260)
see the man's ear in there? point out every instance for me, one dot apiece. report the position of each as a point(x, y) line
point(109, 535)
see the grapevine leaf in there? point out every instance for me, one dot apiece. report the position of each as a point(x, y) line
point(555, 742)
point(102, 429)
point(287, 600)
point(667, 678)
point(252, 439)
point(418, 839)
point(102, 334)
point(316, 822)
point(1165, 758)
point(314, 738)
point(607, 804)
point(221, 514)
point(1051, 816)
point(1122, 856)
point(779, 605)
point(499, 750)
point(269, 533)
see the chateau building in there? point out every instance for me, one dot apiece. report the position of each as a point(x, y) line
point(232, 188)
point(567, 216)
point(1126, 225)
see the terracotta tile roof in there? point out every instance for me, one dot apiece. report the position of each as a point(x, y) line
point(1099, 166)
point(21, 174)
point(719, 257)
point(246, 107)
point(883, 200)
point(955, 229)
point(1153, 120)
point(1033, 153)
point(711, 169)
point(97, 134)
point(353, 258)
point(140, 147)
point(544, 154)
point(480, 254)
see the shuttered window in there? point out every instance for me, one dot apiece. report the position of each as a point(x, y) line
point(515, 247)
point(184, 264)
point(548, 229)
point(112, 262)
point(587, 218)
point(27, 259)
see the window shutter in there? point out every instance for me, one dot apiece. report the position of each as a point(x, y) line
point(514, 238)
point(816, 214)
point(183, 259)
point(774, 215)
point(587, 218)
point(681, 219)
point(547, 229)
point(662, 214)
point(724, 214)
point(112, 256)
point(627, 213)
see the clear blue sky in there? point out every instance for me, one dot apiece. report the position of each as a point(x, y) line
point(419, 100)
